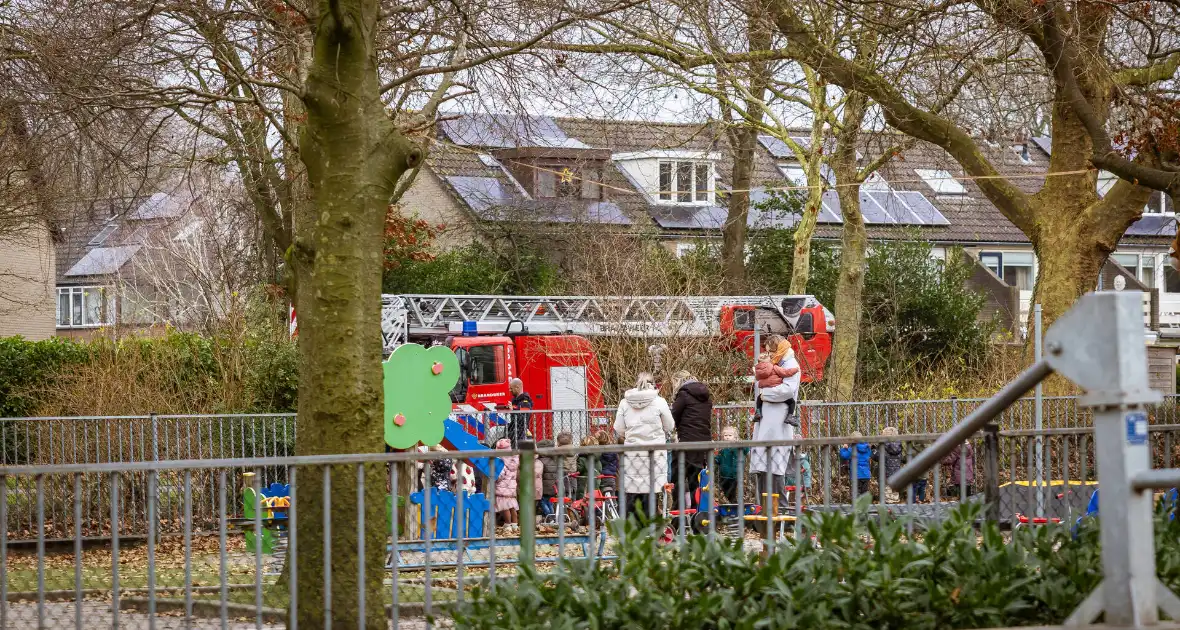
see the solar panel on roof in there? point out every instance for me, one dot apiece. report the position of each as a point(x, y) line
point(1153, 225)
point(158, 206)
point(872, 211)
point(479, 193)
point(102, 261)
point(921, 208)
point(830, 212)
point(606, 212)
point(688, 217)
point(776, 147)
point(1044, 143)
point(507, 131)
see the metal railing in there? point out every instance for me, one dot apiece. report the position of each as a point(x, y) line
point(149, 558)
point(102, 439)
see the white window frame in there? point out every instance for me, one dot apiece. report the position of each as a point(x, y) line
point(697, 196)
point(941, 181)
point(76, 295)
point(999, 256)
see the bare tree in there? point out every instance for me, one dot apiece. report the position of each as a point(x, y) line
point(1072, 229)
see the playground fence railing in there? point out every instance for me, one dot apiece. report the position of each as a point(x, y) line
point(125, 542)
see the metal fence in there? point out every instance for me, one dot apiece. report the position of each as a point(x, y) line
point(104, 439)
point(152, 568)
point(98, 440)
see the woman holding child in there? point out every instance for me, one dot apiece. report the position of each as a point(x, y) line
point(778, 381)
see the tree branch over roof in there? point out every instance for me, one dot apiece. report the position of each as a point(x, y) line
point(903, 115)
point(1060, 56)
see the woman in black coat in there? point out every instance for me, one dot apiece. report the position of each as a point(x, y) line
point(692, 411)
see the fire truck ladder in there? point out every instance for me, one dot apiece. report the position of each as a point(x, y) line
point(404, 317)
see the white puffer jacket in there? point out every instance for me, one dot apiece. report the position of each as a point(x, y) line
point(644, 417)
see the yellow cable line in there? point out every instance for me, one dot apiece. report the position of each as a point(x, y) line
point(774, 188)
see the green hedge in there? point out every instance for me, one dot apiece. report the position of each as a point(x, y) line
point(24, 366)
point(252, 373)
point(859, 574)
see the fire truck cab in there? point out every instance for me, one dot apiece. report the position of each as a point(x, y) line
point(558, 371)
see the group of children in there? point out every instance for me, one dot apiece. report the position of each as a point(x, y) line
point(958, 467)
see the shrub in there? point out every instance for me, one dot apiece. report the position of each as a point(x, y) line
point(861, 574)
point(25, 364)
point(173, 373)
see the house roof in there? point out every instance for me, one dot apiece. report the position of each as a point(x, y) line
point(486, 185)
point(101, 239)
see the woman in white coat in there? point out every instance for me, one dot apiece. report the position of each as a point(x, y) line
point(778, 422)
point(643, 417)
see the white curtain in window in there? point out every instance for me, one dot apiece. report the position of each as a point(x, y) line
point(92, 306)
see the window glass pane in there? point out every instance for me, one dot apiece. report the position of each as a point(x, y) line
point(991, 261)
point(1158, 203)
point(1018, 258)
point(590, 187)
point(794, 174)
point(567, 182)
point(1130, 261)
point(487, 364)
point(1019, 276)
point(941, 182)
point(76, 307)
point(1171, 280)
point(1147, 271)
point(63, 308)
point(108, 312)
point(1105, 182)
point(684, 182)
point(702, 182)
point(92, 306)
point(666, 181)
point(546, 184)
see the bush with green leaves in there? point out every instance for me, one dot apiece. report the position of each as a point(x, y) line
point(858, 573)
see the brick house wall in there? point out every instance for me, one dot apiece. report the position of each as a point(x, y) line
point(28, 296)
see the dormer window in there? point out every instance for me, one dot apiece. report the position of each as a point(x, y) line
point(547, 173)
point(685, 181)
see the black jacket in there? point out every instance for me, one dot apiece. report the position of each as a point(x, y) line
point(692, 411)
point(518, 423)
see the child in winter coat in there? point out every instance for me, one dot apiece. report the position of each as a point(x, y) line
point(769, 372)
point(507, 506)
point(727, 466)
point(609, 462)
point(893, 454)
point(548, 488)
point(569, 464)
point(864, 457)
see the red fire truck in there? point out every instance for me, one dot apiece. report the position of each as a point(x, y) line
point(543, 340)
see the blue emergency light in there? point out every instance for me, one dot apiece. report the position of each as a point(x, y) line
point(470, 329)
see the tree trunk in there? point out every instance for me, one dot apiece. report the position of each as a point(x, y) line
point(1069, 257)
point(745, 140)
point(849, 288)
point(354, 156)
point(804, 231)
point(733, 235)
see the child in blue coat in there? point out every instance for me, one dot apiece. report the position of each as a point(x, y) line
point(864, 458)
